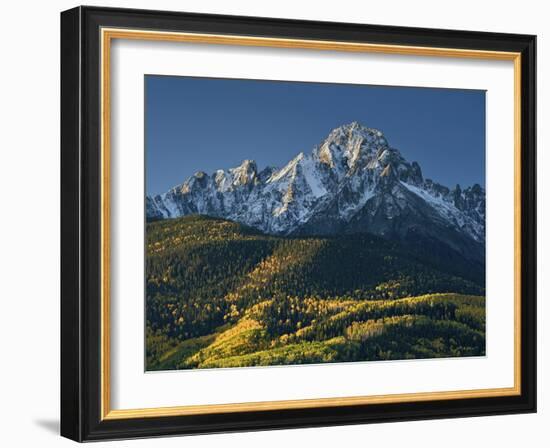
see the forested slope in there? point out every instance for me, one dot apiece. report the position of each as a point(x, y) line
point(220, 294)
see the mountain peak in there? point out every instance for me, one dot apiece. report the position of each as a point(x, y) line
point(247, 165)
point(356, 129)
point(350, 147)
point(245, 172)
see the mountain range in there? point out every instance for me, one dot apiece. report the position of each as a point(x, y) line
point(352, 182)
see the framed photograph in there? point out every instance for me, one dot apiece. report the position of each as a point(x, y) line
point(275, 224)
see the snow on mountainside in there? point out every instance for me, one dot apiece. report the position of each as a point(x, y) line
point(352, 182)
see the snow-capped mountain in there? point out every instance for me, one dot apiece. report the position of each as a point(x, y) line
point(354, 181)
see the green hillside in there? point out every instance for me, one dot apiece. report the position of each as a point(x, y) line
point(220, 294)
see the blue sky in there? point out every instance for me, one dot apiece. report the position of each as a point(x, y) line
point(203, 124)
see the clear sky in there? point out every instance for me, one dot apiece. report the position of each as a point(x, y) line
point(203, 124)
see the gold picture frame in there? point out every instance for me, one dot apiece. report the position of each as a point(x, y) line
point(107, 30)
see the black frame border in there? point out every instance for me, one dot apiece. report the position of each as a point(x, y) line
point(81, 224)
